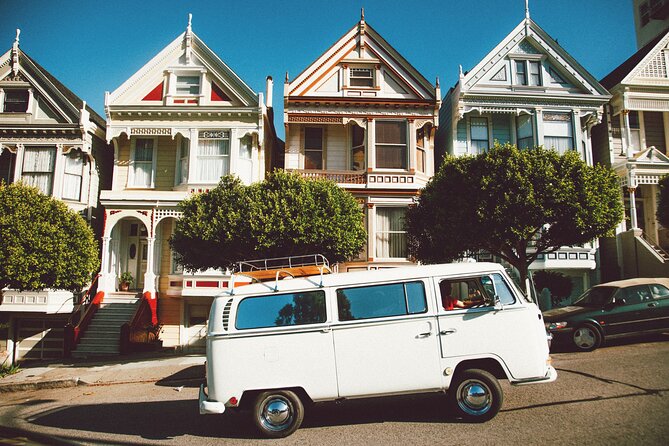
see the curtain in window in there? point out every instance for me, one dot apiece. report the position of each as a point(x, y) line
point(245, 165)
point(558, 132)
point(74, 166)
point(391, 145)
point(182, 175)
point(38, 163)
point(213, 159)
point(143, 163)
point(478, 128)
point(390, 233)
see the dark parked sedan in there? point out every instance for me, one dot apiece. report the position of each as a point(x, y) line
point(610, 310)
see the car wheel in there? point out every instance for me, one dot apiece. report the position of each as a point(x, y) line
point(278, 414)
point(586, 338)
point(476, 395)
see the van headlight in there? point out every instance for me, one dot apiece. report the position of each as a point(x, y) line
point(552, 326)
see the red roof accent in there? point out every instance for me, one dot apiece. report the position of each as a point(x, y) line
point(217, 94)
point(156, 94)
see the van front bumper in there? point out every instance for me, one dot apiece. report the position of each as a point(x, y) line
point(209, 407)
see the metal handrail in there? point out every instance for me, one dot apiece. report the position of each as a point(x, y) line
point(657, 248)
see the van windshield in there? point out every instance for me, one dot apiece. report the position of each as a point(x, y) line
point(595, 297)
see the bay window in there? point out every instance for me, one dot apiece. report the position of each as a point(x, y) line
point(391, 240)
point(391, 144)
point(213, 156)
point(38, 165)
point(558, 132)
point(357, 148)
point(420, 150)
point(7, 163)
point(142, 163)
point(313, 148)
point(525, 132)
point(245, 167)
point(72, 179)
point(478, 130)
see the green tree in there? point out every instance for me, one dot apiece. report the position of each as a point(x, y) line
point(43, 243)
point(282, 216)
point(663, 202)
point(507, 200)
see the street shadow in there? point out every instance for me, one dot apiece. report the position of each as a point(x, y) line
point(179, 418)
point(566, 347)
point(192, 376)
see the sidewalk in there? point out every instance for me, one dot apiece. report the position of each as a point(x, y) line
point(166, 367)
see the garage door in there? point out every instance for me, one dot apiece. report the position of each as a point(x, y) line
point(197, 328)
point(40, 338)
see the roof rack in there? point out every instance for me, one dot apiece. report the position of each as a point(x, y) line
point(263, 270)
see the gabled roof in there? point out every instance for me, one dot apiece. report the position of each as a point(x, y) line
point(528, 31)
point(359, 39)
point(172, 56)
point(67, 104)
point(625, 71)
point(651, 156)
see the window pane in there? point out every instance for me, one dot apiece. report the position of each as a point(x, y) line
point(391, 132)
point(38, 164)
point(144, 150)
point(188, 85)
point(390, 233)
point(213, 160)
point(74, 164)
point(313, 159)
point(416, 297)
point(281, 310)
point(525, 132)
point(391, 157)
point(535, 73)
point(16, 101)
point(245, 148)
point(521, 76)
point(313, 138)
point(361, 77)
point(371, 302)
point(420, 160)
point(357, 148)
point(479, 134)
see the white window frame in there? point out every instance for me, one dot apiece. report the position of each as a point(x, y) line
point(476, 149)
point(131, 172)
point(548, 132)
point(8, 92)
point(371, 77)
point(314, 149)
point(69, 174)
point(389, 232)
point(177, 85)
point(203, 135)
point(181, 161)
point(54, 150)
point(406, 145)
point(527, 63)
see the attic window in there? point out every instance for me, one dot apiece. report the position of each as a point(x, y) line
point(16, 101)
point(361, 77)
point(188, 85)
point(528, 72)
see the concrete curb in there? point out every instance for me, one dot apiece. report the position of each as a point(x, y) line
point(39, 385)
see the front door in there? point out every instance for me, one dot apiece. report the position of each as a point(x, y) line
point(386, 341)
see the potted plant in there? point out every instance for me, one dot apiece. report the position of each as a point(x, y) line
point(125, 280)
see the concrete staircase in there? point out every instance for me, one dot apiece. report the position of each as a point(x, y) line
point(102, 337)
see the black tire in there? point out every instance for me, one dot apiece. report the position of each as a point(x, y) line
point(278, 413)
point(586, 338)
point(475, 395)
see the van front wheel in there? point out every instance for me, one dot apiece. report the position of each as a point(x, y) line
point(475, 395)
point(278, 413)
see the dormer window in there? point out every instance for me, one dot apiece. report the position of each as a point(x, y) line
point(528, 72)
point(16, 101)
point(361, 77)
point(188, 85)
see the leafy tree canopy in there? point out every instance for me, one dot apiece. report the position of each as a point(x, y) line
point(282, 216)
point(43, 243)
point(505, 200)
point(663, 203)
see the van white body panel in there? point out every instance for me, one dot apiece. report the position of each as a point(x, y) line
point(333, 338)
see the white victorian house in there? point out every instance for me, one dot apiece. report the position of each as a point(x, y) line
point(527, 91)
point(364, 117)
point(634, 140)
point(177, 125)
point(50, 139)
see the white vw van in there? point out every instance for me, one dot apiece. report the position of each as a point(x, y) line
point(274, 346)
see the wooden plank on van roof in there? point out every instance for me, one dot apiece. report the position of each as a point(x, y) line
point(297, 271)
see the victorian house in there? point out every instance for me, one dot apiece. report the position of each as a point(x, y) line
point(50, 139)
point(177, 125)
point(364, 117)
point(527, 91)
point(634, 140)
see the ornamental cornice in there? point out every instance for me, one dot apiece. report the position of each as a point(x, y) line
point(510, 101)
point(360, 112)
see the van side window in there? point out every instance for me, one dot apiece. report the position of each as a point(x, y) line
point(397, 299)
point(279, 310)
point(503, 291)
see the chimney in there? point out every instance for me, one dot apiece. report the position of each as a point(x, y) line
point(268, 94)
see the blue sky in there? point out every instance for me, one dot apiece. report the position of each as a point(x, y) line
point(93, 46)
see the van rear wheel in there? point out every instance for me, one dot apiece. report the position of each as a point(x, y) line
point(278, 413)
point(475, 395)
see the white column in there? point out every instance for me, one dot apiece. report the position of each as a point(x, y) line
point(371, 150)
point(234, 150)
point(539, 127)
point(107, 280)
point(149, 276)
point(411, 140)
point(633, 219)
point(192, 155)
point(627, 137)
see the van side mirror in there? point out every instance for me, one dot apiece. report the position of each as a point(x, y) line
point(498, 303)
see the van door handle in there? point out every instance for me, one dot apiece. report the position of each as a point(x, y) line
point(326, 330)
point(425, 335)
point(448, 331)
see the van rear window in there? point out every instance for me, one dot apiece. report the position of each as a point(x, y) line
point(375, 301)
point(279, 310)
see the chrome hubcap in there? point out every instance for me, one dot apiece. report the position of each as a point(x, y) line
point(277, 414)
point(474, 397)
point(584, 338)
